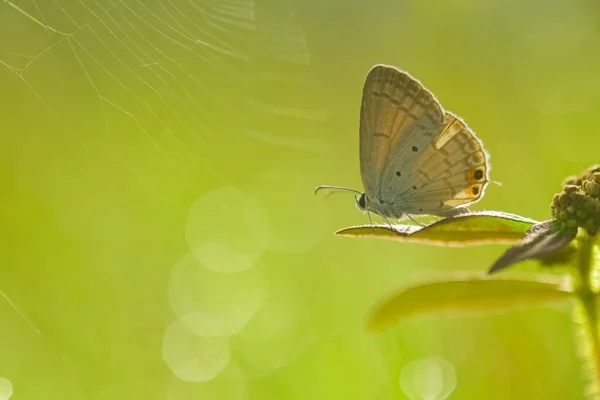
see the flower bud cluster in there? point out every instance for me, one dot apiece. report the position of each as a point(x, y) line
point(578, 205)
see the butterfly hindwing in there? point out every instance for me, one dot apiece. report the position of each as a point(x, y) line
point(452, 172)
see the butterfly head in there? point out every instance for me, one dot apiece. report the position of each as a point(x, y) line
point(361, 202)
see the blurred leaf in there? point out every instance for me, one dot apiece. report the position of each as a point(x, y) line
point(560, 257)
point(541, 241)
point(473, 228)
point(468, 292)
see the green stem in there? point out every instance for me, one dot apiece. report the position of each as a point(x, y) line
point(586, 299)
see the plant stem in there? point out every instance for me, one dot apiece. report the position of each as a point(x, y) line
point(585, 294)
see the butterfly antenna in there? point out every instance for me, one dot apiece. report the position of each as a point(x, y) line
point(333, 188)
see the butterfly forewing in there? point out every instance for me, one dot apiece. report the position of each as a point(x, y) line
point(396, 111)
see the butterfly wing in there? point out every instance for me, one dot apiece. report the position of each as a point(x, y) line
point(451, 171)
point(396, 111)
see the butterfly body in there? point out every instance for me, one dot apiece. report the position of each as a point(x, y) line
point(381, 207)
point(415, 157)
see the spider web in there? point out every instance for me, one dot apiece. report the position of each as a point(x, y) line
point(187, 86)
point(179, 95)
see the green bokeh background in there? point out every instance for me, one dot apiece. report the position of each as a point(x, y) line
point(133, 133)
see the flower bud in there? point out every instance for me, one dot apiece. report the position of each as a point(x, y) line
point(571, 180)
point(578, 205)
point(570, 189)
point(592, 188)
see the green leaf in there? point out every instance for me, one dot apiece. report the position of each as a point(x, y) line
point(468, 292)
point(473, 228)
point(540, 242)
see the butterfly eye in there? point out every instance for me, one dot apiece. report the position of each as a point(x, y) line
point(362, 202)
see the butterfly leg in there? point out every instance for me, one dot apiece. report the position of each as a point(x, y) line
point(388, 222)
point(413, 220)
point(370, 220)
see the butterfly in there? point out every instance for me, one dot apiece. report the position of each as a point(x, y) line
point(415, 157)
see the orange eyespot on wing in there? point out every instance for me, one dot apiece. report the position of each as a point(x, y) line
point(476, 174)
point(474, 190)
point(470, 194)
